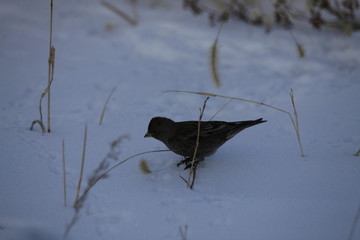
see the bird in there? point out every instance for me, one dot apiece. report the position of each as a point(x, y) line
point(181, 137)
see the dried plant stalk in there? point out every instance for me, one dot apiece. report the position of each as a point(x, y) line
point(120, 163)
point(192, 172)
point(43, 129)
point(51, 62)
point(250, 101)
point(50, 80)
point(234, 98)
point(296, 122)
point(214, 60)
point(106, 103)
point(64, 171)
point(82, 167)
point(224, 106)
point(101, 172)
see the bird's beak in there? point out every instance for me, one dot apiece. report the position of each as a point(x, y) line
point(147, 135)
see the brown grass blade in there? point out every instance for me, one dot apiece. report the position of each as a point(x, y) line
point(82, 167)
point(214, 60)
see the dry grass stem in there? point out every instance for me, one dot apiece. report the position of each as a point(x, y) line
point(300, 49)
point(295, 122)
point(144, 166)
point(64, 171)
point(357, 153)
point(106, 103)
point(43, 129)
point(101, 172)
point(125, 160)
point(354, 223)
point(250, 101)
point(51, 62)
point(131, 20)
point(50, 80)
point(214, 60)
point(82, 167)
point(222, 96)
point(224, 106)
point(192, 172)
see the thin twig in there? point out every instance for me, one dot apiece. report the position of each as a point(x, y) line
point(234, 98)
point(123, 15)
point(192, 172)
point(82, 167)
point(244, 100)
point(224, 106)
point(296, 122)
point(354, 223)
point(64, 171)
point(106, 103)
point(105, 174)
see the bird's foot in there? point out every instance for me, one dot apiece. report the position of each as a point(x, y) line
point(188, 162)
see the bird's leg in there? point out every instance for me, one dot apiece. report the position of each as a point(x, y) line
point(188, 162)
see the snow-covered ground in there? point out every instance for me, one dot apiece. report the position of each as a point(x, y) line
point(255, 187)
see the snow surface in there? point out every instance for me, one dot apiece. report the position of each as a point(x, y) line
point(255, 187)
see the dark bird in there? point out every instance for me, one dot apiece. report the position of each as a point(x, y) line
point(180, 137)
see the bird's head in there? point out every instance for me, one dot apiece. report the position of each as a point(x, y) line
point(160, 128)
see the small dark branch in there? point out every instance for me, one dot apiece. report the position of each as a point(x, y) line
point(184, 179)
point(131, 20)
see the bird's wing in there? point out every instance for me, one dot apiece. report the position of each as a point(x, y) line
point(189, 129)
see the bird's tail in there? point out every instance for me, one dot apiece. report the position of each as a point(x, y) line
point(239, 126)
point(246, 124)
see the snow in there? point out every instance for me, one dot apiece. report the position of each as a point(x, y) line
point(255, 187)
